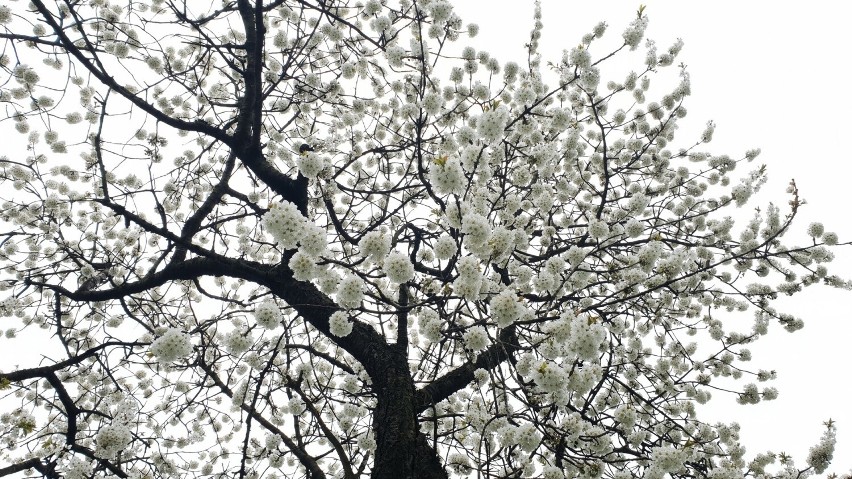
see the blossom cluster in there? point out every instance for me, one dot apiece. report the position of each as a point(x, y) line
point(310, 164)
point(350, 291)
point(268, 314)
point(398, 268)
point(238, 341)
point(505, 308)
point(476, 339)
point(111, 439)
point(339, 324)
point(447, 176)
point(375, 245)
point(820, 455)
point(445, 247)
point(469, 281)
point(290, 229)
point(172, 345)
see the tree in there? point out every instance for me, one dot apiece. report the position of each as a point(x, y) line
point(316, 239)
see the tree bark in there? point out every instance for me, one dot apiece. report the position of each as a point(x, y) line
point(394, 421)
point(402, 451)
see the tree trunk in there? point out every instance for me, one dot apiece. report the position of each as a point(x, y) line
point(402, 451)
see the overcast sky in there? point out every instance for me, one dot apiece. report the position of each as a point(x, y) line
point(773, 75)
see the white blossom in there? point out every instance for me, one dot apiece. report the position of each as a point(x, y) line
point(339, 324)
point(350, 292)
point(5, 15)
point(171, 346)
point(476, 339)
point(375, 245)
point(237, 341)
point(505, 308)
point(268, 314)
point(447, 176)
point(445, 247)
point(111, 439)
point(310, 164)
point(398, 268)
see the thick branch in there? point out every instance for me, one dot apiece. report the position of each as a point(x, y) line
point(457, 379)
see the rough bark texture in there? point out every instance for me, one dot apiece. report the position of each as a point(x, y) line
point(395, 424)
point(402, 451)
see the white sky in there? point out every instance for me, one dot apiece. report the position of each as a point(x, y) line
point(770, 75)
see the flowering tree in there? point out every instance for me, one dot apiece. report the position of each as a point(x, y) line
point(313, 238)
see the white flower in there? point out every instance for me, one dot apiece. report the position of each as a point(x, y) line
point(590, 78)
point(171, 346)
point(598, 229)
point(395, 55)
point(816, 230)
point(73, 118)
point(527, 437)
point(303, 266)
point(268, 314)
point(398, 268)
point(635, 31)
point(441, 11)
point(634, 228)
point(580, 57)
point(313, 241)
point(552, 472)
point(476, 228)
point(475, 339)
point(505, 308)
point(111, 439)
point(707, 135)
point(5, 15)
point(636, 204)
point(285, 224)
point(741, 193)
point(339, 324)
point(432, 103)
point(375, 245)
point(587, 335)
point(469, 281)
point(468, 287)
point(830, 239)
point(350, 292)
point(545, 282)
point(584, 380)
point(626, 416)
point(310, 164)
point(77, 469)
point(502, 241)
point(492, 123)
point(820, 456)
point(445, 247)
point(372, 7)
point(25, 75)
point(549, 377)
point(238, 342)
point(576, 255)
point(481, 376)
point(430, 324)
point(367, 443)
point(447, 176)
point(667, 458)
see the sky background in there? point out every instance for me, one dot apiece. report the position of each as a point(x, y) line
point(771, 75)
